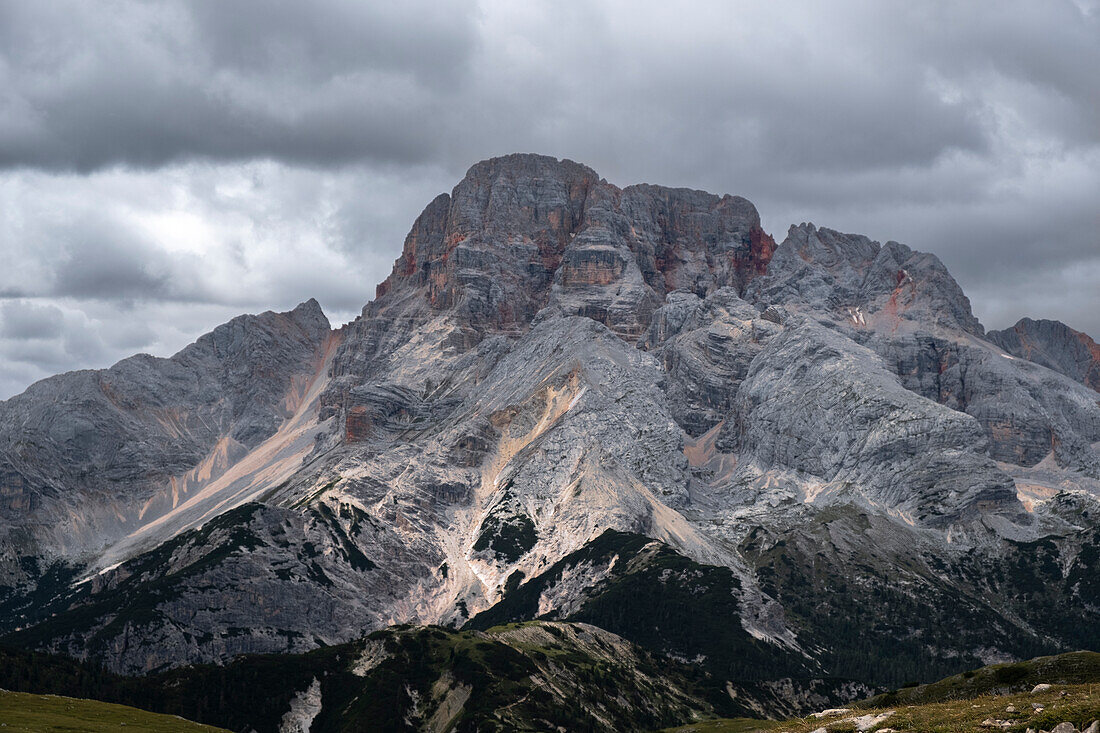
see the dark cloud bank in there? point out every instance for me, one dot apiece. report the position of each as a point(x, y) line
point(165, 165)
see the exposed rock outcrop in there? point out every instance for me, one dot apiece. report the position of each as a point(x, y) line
point(815, 403)
point(706, 347)
point(859, 282)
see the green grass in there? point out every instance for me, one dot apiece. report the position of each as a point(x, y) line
point(42, 713)
point(1080, 705)
point(1068, 668)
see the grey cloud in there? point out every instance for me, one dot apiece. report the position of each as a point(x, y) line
point(105, 267)
point(26, 320)
point(252, 237)
point(1049, 49)
point(99, 257)
point(430, 41)
point(45, 338)
point(147, 84)
point(16, 376)
point(334, 82)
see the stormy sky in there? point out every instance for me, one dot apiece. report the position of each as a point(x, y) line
point(167, 165)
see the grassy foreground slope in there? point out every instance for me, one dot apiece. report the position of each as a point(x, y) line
point(997, 697)
point(1080, 706)
point(1060, 669)
point(20, 711)
point(535, 675)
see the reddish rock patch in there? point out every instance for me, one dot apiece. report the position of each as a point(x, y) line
point(761, 249)
point(357, 424)
point(1092, 373)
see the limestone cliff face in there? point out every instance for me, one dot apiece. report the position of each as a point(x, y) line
point(858, 281)
point(526, 234)
point(524, 231)
point(551, 357)
point(811, 392)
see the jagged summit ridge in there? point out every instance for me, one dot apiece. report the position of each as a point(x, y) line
point(524, 232)
point(857, 279)
point(88, 456)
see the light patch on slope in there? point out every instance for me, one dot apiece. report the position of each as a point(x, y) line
point(702, 452)
point(567, 594)
point(549, 404)
point(374, 653)
point(304, 707)
point(1044, 480)
point(576, 398)
point(221, 457)
point(103, 571)
point(556, 402)
point(812, 490)
point(452, 698)
point(272, 462)
point(608, 484)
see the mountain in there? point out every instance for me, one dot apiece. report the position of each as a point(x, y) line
point(90, 456)
point(1054, 345)
point(626, 407)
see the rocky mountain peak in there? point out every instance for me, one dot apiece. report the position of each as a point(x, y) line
point(524, 232)
point(1054, 345)
point(490, 249)
point(864, 283)
point(246, 338)
point(309, 312)
point(132, 435)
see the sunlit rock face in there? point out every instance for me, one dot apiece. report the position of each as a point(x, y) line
point(552, 357)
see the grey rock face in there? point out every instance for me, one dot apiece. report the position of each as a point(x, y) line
point(1054, 345)
point(491, 248)
point(816, 403)
point(525, 234)
point(88, 456)
point(905, 306)
point(705, 347)
point(523, 231)
point(1028, 412)
point(568, 434)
